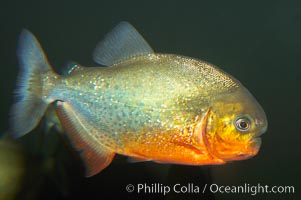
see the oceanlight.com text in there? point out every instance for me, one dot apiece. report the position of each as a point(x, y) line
point(252, 189)
point(192, 188)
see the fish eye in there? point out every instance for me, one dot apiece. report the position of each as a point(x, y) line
point(242, 123)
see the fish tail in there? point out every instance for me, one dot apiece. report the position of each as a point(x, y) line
point(29, 106)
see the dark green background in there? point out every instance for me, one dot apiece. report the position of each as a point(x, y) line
point(258, 42)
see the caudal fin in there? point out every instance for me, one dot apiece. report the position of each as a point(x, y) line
point(29, 106)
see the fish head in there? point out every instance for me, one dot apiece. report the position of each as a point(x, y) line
point(234, 125)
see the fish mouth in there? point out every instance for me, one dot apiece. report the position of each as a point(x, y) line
point(255, 145)
point(252, 149)
point(255, 142)
point(242, 151)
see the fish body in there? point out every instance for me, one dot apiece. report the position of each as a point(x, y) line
point(160, 107)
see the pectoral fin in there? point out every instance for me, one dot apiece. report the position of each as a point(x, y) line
point(95, 156)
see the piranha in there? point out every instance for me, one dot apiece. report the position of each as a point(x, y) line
point(149, 106)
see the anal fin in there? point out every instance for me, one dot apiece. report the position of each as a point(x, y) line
point(137, 159)
point(95, 156)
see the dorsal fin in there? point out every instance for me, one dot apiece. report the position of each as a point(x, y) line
point(122, 43)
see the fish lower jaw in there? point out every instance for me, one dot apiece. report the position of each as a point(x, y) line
point(251, 150)
point(239, 151)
